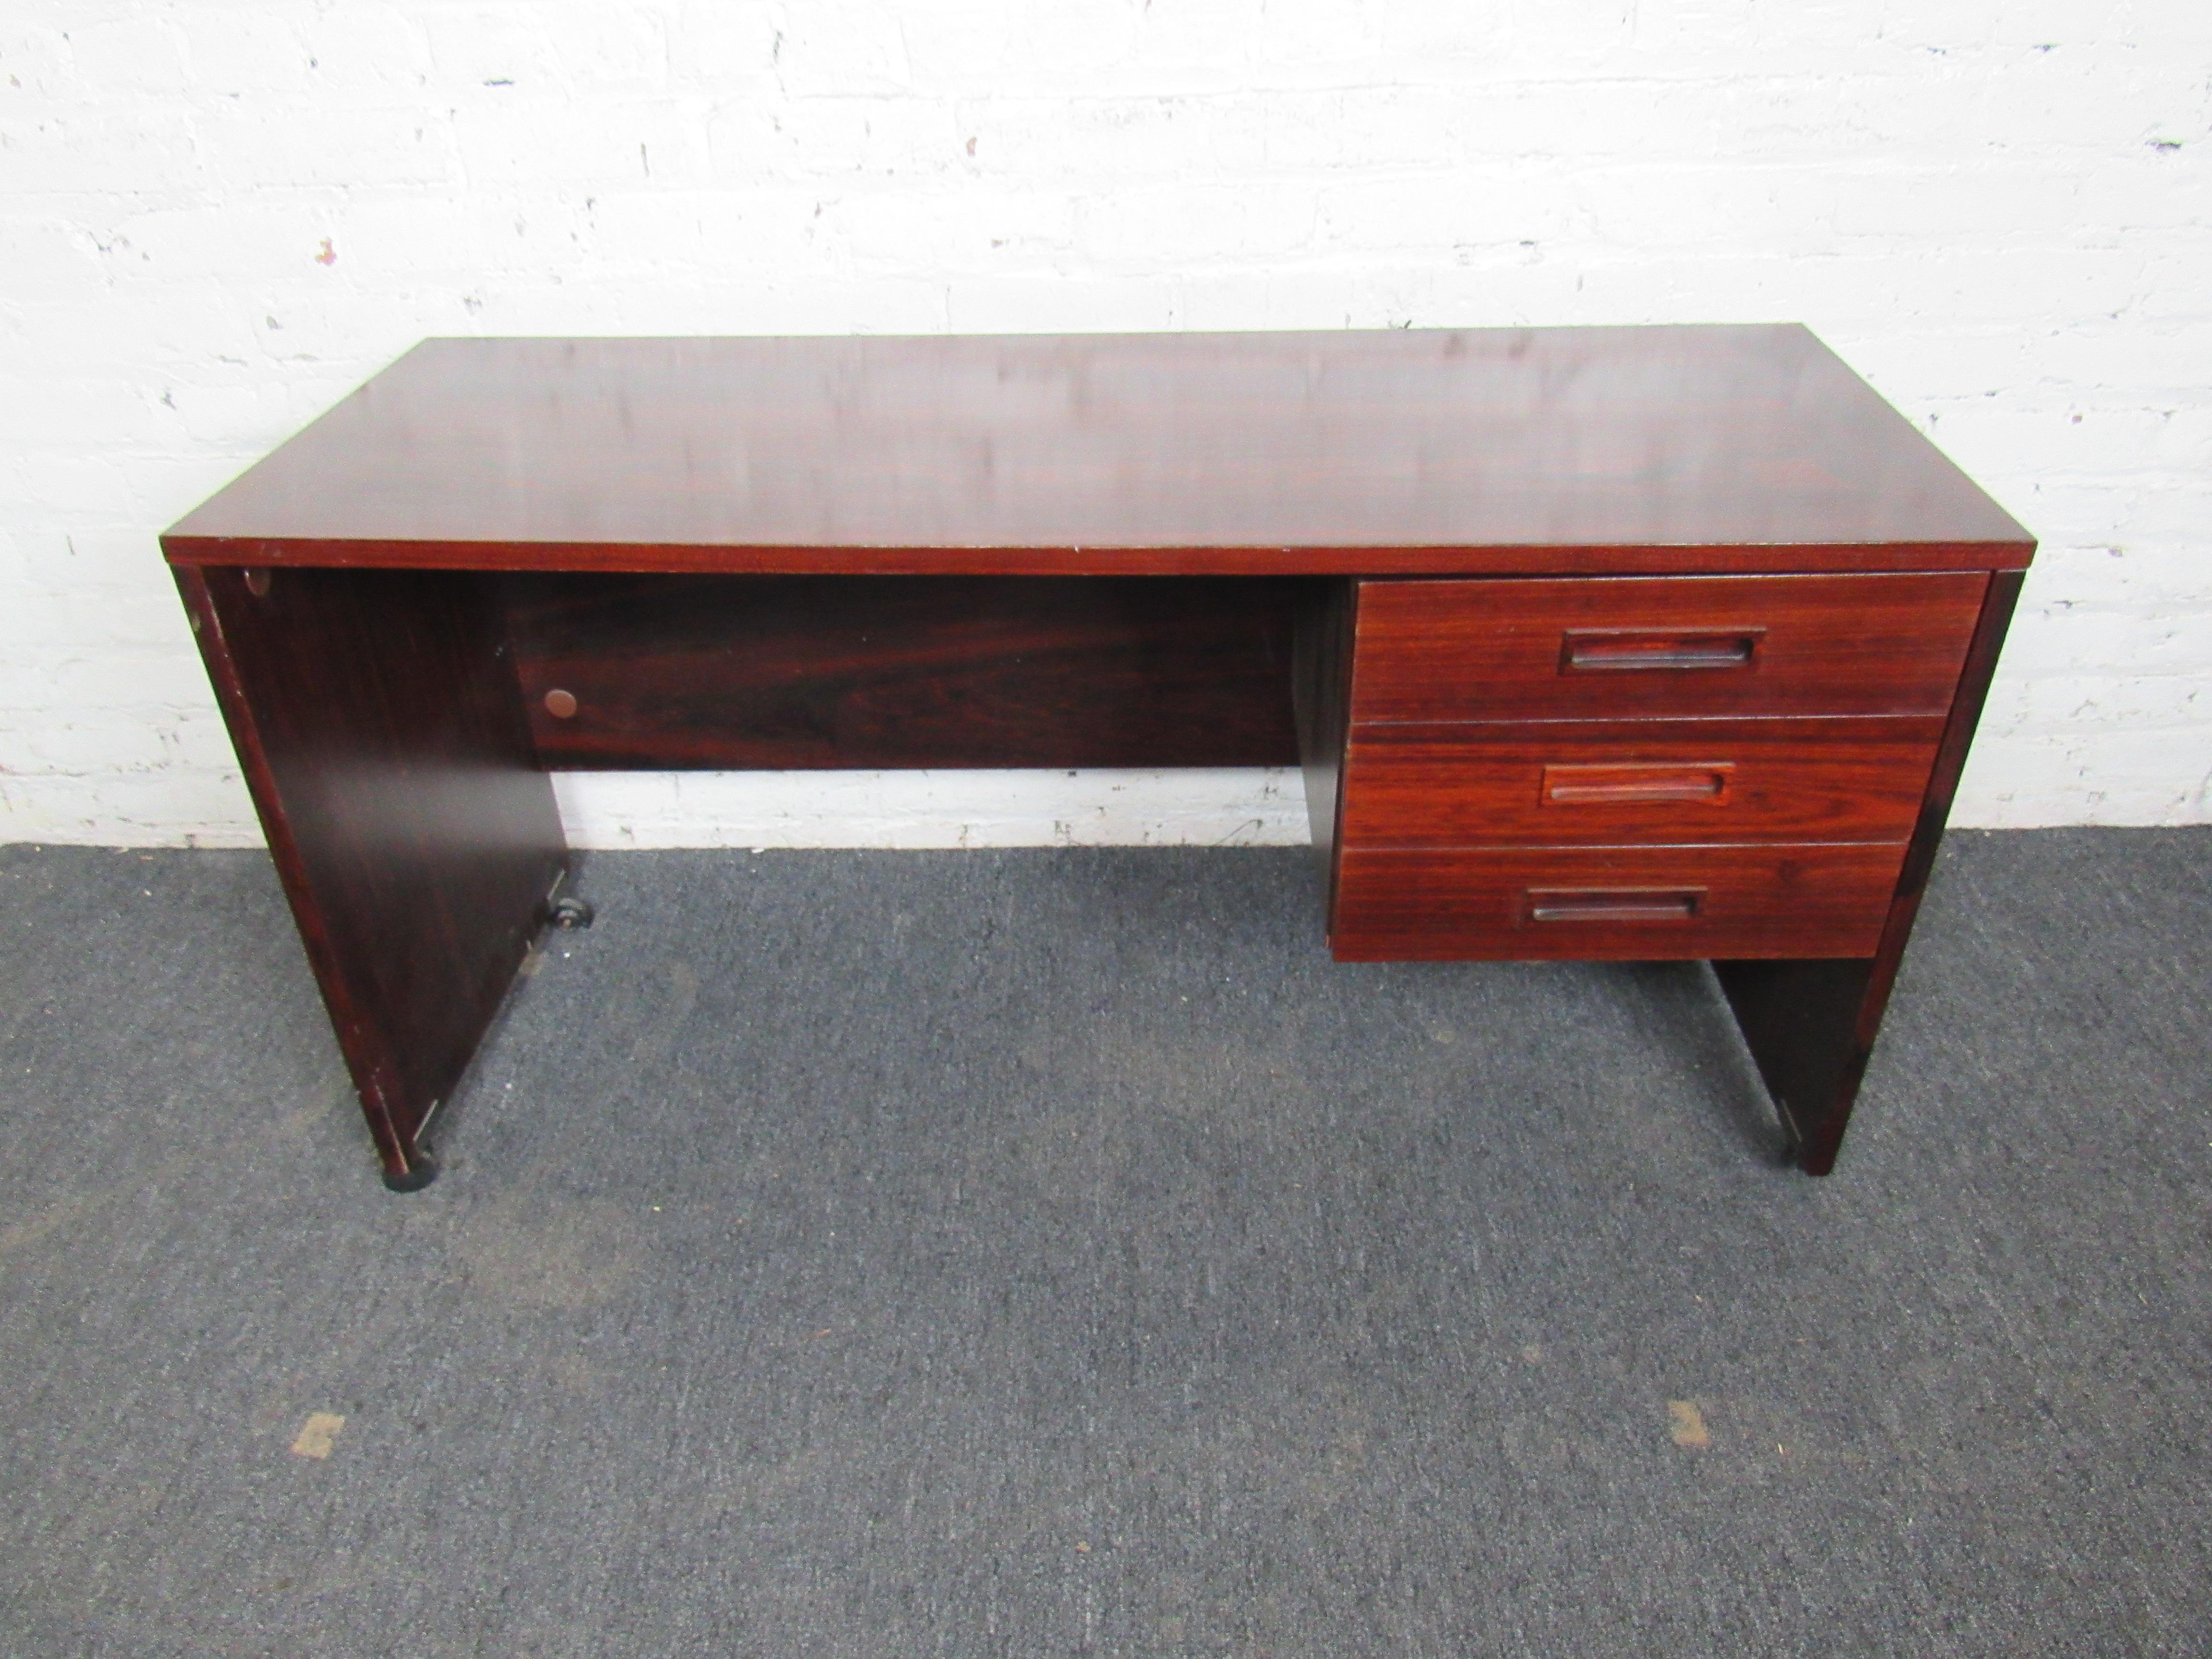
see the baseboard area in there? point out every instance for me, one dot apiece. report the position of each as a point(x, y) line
point(1179, 807)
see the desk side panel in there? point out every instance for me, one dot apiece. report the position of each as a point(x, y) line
point(1322, 689)
point(1811, 1025)
point(377, 719)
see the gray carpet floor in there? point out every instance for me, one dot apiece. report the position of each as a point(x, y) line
point(1052, 1252)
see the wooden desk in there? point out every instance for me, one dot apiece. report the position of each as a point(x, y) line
point(1653, 643)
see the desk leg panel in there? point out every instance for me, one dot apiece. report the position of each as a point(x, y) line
point(1812, 1026)
point(380, 728)
point(1321, 701)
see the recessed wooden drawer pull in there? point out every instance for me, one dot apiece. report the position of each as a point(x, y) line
point(1614, 904)
point(1631, 783)
point(1614, 650)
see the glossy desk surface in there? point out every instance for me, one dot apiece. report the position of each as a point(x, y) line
point(1381, 452)
point(396, 725)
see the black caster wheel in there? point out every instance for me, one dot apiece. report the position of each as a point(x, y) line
point(570, 912)
point(423, 1171)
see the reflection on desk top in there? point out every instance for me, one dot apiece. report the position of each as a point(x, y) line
point(1433, 451)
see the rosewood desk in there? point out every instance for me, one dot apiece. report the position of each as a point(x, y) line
point(1626, 643)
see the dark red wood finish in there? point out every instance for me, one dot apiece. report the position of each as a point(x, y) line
point(1320, 686)
point(1570, 783)
point(1424, 452)
point(383, 726)
point(1811, 1025)
point(796, 672)
point(376, 717)
point(1809, 644)
point(1612, 904)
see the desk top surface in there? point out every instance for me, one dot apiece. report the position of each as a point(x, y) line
point(1435, 451)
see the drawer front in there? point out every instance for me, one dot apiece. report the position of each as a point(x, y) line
point(1544, 783)
point(1624, 647)
point(1632, 903)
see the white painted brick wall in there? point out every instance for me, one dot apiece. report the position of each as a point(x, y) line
point(215, 219)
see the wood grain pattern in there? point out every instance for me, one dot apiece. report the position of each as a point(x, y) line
point(1319, 453)
point(378, 721)
point(1857, 778)
point(1320, 686)
point(794, 672)
point(852, 535)
point(1617, 903)
point(1811, 1026)
point(1827, 645)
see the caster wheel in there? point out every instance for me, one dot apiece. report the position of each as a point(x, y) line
point(569, 913)
point(425, 1171)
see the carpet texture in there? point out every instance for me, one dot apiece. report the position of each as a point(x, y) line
point(1052, 1252)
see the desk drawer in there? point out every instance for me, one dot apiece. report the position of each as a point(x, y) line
point(1570, 783)
point(1633, 903)
point(1615, 648)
